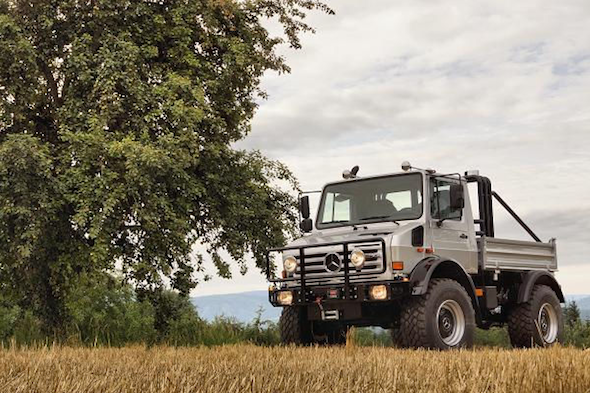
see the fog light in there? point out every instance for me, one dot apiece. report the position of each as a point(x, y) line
point(285, 298)
point(378, 292)
point(357, 258)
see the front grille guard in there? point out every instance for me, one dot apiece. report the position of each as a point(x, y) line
point(345, 247)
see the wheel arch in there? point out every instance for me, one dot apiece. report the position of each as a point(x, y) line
point(435, 267)
point(530, 279)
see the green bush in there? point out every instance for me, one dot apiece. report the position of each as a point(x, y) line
point(369, 337)
point(105, 311)
point(225, 330)
point(493, 337)
point(577, 331)
point(9, 315)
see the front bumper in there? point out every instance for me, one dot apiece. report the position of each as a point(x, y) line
point(358, 307)
point(337, 294)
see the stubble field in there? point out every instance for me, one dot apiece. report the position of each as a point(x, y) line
point(245, 368)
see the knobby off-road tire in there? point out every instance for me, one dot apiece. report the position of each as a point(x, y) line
point(294, 326)
point(443, 318)
point(538, 322)
point(397, 338)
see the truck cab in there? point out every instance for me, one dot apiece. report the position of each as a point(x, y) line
point(404, 251)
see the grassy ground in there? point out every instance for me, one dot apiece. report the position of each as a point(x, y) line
point(247, 368)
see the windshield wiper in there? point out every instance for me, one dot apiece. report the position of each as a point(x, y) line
point(378, 218)
point(373, 218)
point(334, 222)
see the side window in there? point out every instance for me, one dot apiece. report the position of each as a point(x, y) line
point(440, 201)
point(337, 208)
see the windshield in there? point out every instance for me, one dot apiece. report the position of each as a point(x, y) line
point(392, 198)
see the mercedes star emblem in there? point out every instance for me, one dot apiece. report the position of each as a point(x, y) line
point(332, 262)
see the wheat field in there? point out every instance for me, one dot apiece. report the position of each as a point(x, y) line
point(246, 368)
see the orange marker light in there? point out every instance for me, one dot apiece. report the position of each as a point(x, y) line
point(397, 265)
point(425, 250)
point(478, 292)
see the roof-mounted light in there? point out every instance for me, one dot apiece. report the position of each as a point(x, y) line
point(406, 166)
point(350, 174)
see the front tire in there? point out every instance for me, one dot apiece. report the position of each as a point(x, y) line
point(538, 322)
point(443, 318)
point(396, 337)
point(294, 326)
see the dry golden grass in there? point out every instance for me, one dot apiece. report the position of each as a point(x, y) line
point(245, 368)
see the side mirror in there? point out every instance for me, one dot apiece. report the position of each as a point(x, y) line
point(457, 201)
point(304, 207)
point(306, 225)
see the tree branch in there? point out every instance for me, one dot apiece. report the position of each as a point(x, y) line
point(50, 81)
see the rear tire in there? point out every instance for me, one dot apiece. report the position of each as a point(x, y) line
point(538, 322)
point(294, 326)
point(443, 318)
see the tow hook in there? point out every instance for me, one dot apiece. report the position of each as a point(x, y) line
point(330, 315)
point(318, 301)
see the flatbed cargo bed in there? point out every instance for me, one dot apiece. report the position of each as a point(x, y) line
point(504, 254)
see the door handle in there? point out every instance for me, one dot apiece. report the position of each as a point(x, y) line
point(463, 236)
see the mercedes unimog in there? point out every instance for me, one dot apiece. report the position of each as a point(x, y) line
point(404, 252)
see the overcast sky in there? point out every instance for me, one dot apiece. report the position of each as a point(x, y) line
point(502, 86)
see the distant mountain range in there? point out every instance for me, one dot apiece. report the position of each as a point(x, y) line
point(244, 306)
point(583, 303)
point(241, 306)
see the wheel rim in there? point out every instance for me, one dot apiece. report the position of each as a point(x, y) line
point(548, 323)
point(451, 322)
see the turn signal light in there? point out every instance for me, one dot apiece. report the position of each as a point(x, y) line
point(425, 250)
point(397, 265)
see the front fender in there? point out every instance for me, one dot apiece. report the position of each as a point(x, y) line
point(443, 268)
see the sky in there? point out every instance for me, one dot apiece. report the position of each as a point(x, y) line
point(502, 87)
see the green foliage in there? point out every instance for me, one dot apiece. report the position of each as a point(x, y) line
point(578, 335)
point(105, 311)
point(493, 337)
point(117, 126)
point(571, 314)
point(8, 317)
point(174, 315)
point(368, 337)
point(577, 332)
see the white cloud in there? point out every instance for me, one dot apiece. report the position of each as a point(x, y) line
point(498, 86)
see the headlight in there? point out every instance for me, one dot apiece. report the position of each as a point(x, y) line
point(378, 292)
point(290, 264)
point(357, 258)
point(285, 298)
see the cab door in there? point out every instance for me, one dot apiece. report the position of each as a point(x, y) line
point(449, 227)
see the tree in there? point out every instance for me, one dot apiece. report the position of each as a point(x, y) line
point(571, 313)
point(118, 120)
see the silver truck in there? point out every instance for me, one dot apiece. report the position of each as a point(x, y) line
point(403, 251)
